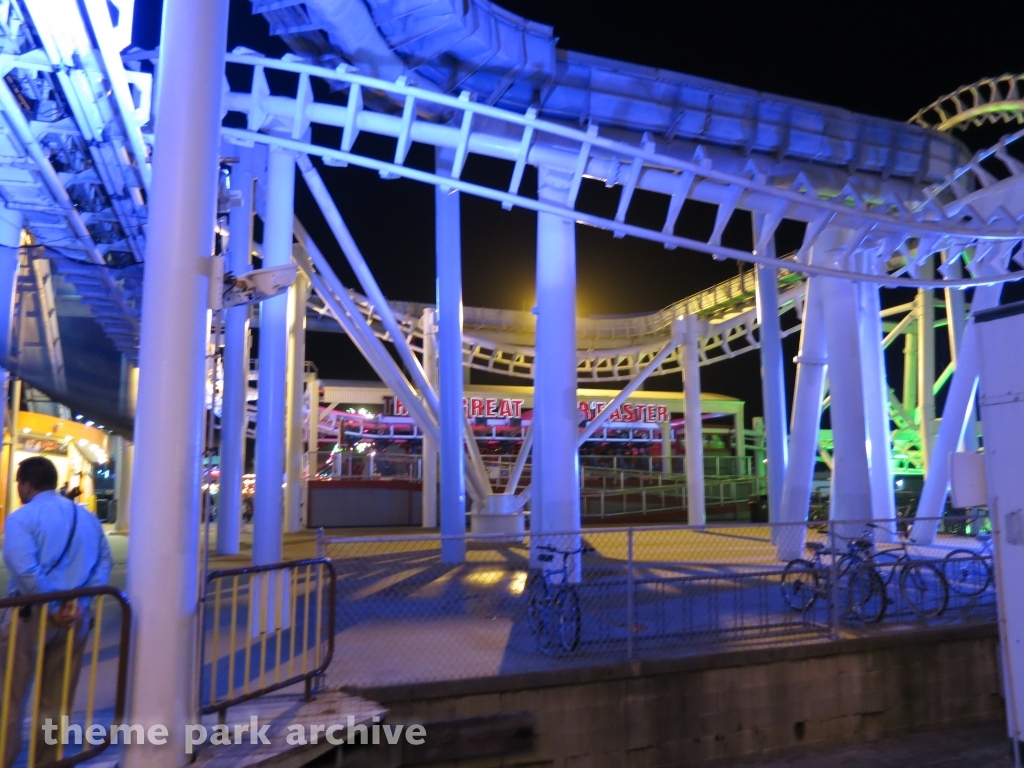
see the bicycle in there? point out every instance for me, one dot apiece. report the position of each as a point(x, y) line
point(922, 586)
point(969, 572)
point(553, 607)
point(861, 588)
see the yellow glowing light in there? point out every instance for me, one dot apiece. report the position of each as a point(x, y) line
point(486, 578)
point(518, 583)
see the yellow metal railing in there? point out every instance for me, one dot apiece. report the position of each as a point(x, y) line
point(265, 628)
point(44, 648)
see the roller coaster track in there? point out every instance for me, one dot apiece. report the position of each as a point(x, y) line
point(988, 101)
point(896, 227)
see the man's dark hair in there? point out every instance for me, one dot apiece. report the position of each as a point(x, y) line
point(39, 472)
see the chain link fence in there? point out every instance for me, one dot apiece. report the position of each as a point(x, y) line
point(410, 609)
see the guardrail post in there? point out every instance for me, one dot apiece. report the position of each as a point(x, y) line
point(629, 595)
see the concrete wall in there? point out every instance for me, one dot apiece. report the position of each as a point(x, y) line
point(730, 707)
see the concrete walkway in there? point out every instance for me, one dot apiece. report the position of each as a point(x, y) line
point(978, 746)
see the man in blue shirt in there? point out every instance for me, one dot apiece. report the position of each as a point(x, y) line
point(50, 544)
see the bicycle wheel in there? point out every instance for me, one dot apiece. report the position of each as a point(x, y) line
point(536, 606)
point(567, 603)
point(887, 563)
point(967, 572)
point(864, 594)
point(800, 585)
point(924, 589)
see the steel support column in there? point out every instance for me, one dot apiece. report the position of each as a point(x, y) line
point(555, 501)
point(957, 413)
point(805, 424)
point(268, 498)
point(876, 399)
point(773, 382)
point(956, 319)
point(298, 296)
point(234, 417)
point(696, 514)
point(163, 547)
point(451, 416)
point(848, 411)
point(925, 308)
point(428, 451)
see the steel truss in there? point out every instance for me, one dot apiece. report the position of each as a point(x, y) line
point(897, 226)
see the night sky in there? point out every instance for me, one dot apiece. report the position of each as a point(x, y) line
point(886, 59)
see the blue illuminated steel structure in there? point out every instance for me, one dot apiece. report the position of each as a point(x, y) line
point(881, 203)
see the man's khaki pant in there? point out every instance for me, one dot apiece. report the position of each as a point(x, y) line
point(52, 689)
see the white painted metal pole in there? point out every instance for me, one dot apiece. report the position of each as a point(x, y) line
point(956, 414)
point(524, 454)
point(910, 370)
point(773, 380)
point(451, 416)
point(805, 425)
point(268, 498)
point(956, 319)
point(851, 482)
point(234, 418)
point(926, 363)
point(556, 490)
point(163, 546)
point(696, 514)
point(876, 405)
point(428, 451)
point(298, 295)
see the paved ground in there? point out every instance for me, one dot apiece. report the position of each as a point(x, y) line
point(981, 746)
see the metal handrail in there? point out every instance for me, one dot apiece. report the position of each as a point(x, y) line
point(44, 598)
point(221, 706)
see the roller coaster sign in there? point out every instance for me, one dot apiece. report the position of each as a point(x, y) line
point(508, 407)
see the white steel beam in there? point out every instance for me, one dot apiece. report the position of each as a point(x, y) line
point(429, 454)
point(163, 546)
point(365, 276)
point(450, 413)
point(344, 310)
point(236, 363)
point(696, 514)
point(812, 362)
point(956, 415)
point(268, 494)
point(773, 378)
point(555, 502)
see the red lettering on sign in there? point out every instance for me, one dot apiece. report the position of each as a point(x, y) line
point(476, 406)
point(517, 406)
point(400, 409)
point(491, 407)
point(504, 408)
point(662, 413)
